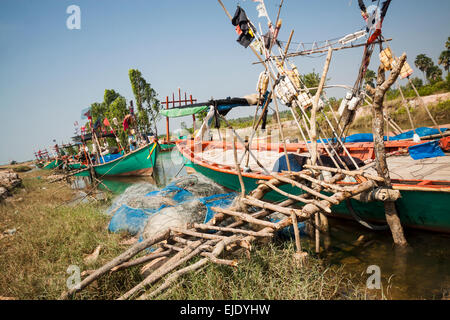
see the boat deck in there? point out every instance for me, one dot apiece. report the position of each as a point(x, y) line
point(406, 168)
point(401, 167)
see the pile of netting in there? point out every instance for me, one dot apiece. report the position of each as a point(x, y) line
point(144, 210)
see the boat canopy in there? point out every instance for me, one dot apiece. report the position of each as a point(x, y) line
point(223, 106)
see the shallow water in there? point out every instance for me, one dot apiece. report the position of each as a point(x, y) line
point(421, 272)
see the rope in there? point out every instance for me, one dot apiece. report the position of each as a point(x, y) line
point(366, 224)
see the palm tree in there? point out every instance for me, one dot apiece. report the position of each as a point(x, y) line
point(444, 60)
point(423, 63)
point(434, 74)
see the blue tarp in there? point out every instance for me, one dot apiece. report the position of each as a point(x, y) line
point(422, 132)
point(426, 150)
point(368, 137)
point(296, 162)
point(110, 157)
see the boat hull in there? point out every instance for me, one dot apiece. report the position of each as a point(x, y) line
point(137, 163)
point(52, 165)
point(428, 208)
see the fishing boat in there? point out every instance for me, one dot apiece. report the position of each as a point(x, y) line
point(423, 203)
point(49, 165)
point(139, 162)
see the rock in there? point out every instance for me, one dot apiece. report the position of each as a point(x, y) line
point(4, 193)
point(93, 256)
point(9, 180)
point(10, 232)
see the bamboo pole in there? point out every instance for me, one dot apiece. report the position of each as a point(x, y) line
point(232, 230)
point(346, 172)
point(238, 167)
point(128, 254)
point(245, 217)
point(425, 106)
point(305, 188)
point(141, 260)
point(196, 234)
point(315, 107)
point(407, 108)
point(178, 259)
point(294, 197)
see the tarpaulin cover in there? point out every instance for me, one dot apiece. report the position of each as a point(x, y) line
point(368, 137)
point(109, 157)
point(426, 150)
point(422, 132)
point(181, 112)
point(296, 161)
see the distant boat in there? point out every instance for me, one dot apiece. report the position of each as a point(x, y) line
point(424, 203)
point(139, 162)
point(56, 163)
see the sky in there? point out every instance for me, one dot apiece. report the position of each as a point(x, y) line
point(49, 73)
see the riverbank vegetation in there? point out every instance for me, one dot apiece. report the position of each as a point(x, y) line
point(52, 233)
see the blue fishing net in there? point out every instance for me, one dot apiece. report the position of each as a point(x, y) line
point(184, 200)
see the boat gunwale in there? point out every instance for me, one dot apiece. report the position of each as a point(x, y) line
point(398, 184)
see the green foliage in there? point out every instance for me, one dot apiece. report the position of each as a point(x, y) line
point(21, 169)
point(444, 59)
point(311, 80)
point(148, 106)
point(98, 111)
point(185, 127)
point(423, 63)
point(110, 96)
point(417, 82)
point(434, 74)
point(370, 78)
point(118, 110)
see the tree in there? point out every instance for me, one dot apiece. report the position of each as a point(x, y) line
point(434, 74)
point(423, 63)
point(311, 80)
point(152, 107)
point(98, 111)
point(148, 106)
point(110, 96)
point(118, 109)
point(370, 77)
point(417, 82)
point(444, 58)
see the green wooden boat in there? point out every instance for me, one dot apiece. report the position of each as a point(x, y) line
point(139, 162)
point(424, 204)
point(52, 164)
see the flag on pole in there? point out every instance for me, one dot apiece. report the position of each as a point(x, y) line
point(261, 8)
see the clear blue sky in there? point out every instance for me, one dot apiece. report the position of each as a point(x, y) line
point(49, 73)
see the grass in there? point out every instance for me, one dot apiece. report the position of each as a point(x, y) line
point(50, 237)
point(269, 274)
point(33, 262)
point(440, 112)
